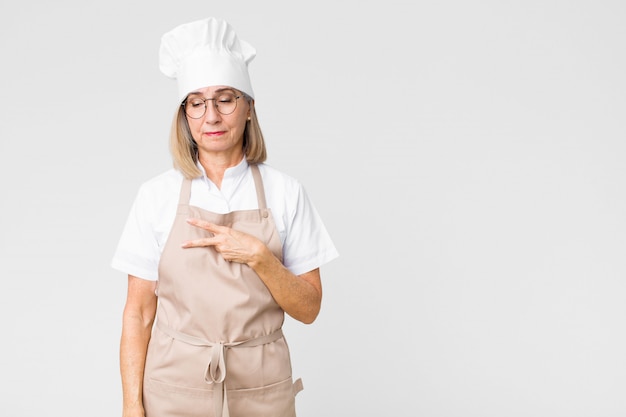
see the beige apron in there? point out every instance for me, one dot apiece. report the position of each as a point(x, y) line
point(217, 348)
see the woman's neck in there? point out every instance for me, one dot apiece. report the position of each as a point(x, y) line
point(215, 165)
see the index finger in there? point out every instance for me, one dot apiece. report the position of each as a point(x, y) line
point(199, 243)
point(203, 224)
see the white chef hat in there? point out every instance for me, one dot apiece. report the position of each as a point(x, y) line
point(205, 53)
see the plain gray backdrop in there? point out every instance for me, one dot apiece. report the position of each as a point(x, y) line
point(467, 157)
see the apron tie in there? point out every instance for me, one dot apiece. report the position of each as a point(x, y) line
point(216, 368)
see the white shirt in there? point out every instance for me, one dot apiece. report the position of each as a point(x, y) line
point(306, 243)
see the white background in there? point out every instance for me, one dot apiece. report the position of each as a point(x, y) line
point(468, 159)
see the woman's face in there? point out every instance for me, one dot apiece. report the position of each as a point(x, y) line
point(215, 132)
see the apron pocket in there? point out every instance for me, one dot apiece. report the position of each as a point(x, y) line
point(276, 400)
point(161, 399)
point(165, 388)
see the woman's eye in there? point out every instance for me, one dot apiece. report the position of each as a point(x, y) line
point(197, 103)
point(226, 99)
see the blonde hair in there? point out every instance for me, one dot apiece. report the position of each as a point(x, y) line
point(185, 150)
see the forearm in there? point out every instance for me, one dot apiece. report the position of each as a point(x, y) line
point(133, 348)
point(300, 296)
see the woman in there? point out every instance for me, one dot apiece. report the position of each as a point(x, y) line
point(216, 250)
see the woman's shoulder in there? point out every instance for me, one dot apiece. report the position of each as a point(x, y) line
point(277, 178)
point(284, 192)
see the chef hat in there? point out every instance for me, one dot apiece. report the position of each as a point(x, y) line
point(206, 53)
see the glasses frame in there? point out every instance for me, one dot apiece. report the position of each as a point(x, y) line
point(204, 100)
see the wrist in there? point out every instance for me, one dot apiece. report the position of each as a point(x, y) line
point(260, 256)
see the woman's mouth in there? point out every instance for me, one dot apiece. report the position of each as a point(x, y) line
point(214, 134)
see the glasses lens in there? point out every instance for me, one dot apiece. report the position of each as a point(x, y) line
point(226, 103)
point(195, 108)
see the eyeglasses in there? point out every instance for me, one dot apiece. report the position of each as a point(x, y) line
point(225, 103)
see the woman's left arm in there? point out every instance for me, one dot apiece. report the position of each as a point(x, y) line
point(299, 295)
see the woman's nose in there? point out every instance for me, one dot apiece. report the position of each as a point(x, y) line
point(211, 115)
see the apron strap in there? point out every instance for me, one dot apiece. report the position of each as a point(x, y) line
point(260, 190)
point(183, 199)
point(196, 341)
point(297, 386)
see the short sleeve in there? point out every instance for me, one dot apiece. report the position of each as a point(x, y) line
point(307, 245)
point(137, 252)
